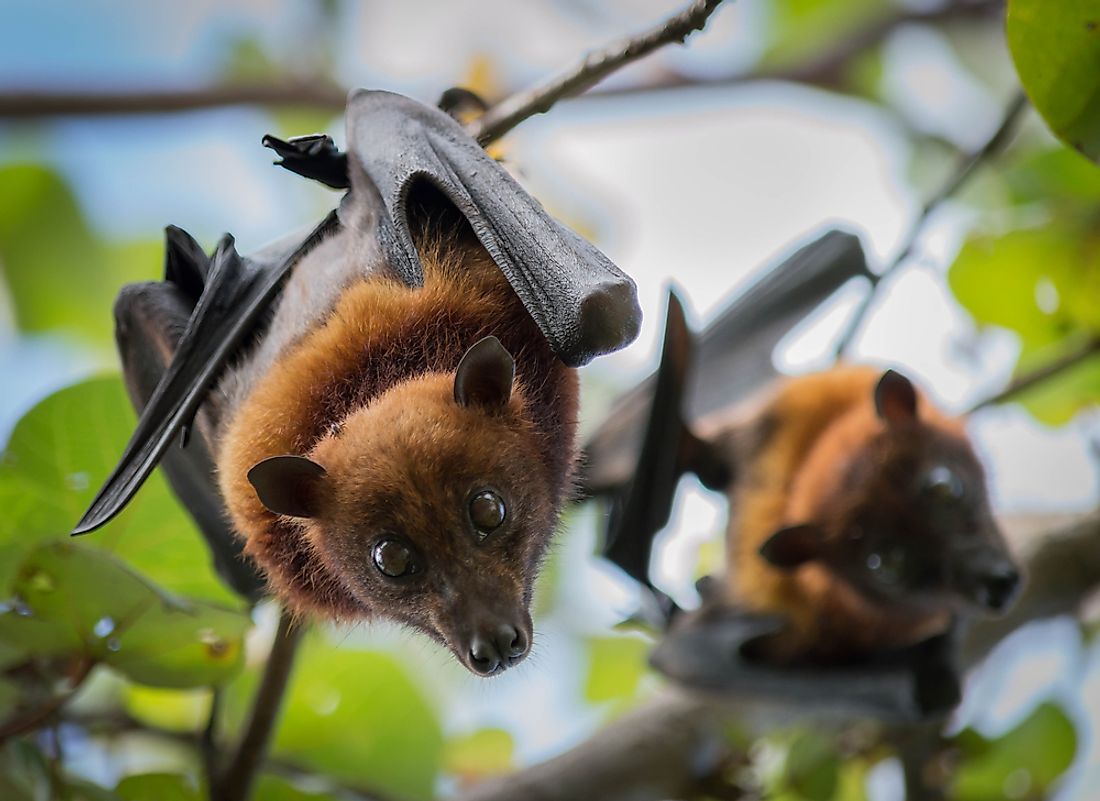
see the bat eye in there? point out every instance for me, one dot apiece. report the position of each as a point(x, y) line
point(487, 512)
point(944, 483)
point(393, 559)
point(887, 566)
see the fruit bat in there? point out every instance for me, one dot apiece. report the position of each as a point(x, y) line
point(649, 441)
point(379, 412)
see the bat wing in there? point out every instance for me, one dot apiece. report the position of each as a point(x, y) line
point(731, 359)
point(150, 320)
point(667, 445)
point(705, 650)
point(403, 153)
point(232, 294)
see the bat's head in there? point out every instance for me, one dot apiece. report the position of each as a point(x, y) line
point(433, 506)
point(906, 519)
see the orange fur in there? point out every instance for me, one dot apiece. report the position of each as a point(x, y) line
point(382, 366)
point(807, 434)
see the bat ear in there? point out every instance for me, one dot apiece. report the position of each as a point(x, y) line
point(288, 485)
point(895, 398)
point(794, 545)
point(484, 376)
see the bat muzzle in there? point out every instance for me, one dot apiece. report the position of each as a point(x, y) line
point(992, 585)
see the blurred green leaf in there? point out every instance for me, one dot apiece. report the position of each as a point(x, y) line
point(24, 774)
point(158, 787)
point(1057, 175)
point(1023, 763)
point(57, 456)
point(615, 668)
point(10, 694)
point(1022, 265)
point(802, 29)
point(356, 716)
point(276, 788)
point(60, 274)
point(170, 709)
point(1040, 282)
point(489, 752)
point(1056, 49)
point(75, 600)
point(812, 767)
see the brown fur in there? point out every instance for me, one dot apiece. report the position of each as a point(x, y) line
point(380, 366)
point(790, 472)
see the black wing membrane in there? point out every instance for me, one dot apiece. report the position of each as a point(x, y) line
point(667, 445)
point(583, 304)
point(705, 650)
point(235, 296)
point(731, 358)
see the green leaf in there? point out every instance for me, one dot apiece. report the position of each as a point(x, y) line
point(1023, 763)
point(802, 29)
point(356, 716)
point(276, 788)
point(1041, 283)
point(173, 710)
point(1026, 266)
point(1056, 48)
point(158, 787)
point(616, 666)
point(75, 600)
point(60, 274)
point(56, 458)
point(485, 753)
point(24, 774)
point(10, 694)
point(812, 767)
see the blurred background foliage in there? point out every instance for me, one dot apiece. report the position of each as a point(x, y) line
point(110, 646)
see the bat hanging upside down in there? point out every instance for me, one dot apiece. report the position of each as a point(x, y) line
point(380, 414)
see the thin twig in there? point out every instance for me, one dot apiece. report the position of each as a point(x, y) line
point(1041, 374)
point(596, 66)
point(38, 716)
point(236, 783)
point(320, 93)
point(317, 93)
point(966, 168)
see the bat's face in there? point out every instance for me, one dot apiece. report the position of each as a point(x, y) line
point(434, 510)
point(922, 533)
point(909, 524)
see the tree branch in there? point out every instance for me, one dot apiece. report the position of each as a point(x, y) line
point(827, 70)
point(966, 168)
point(669, 744)
point(1028, 380)
point(236, 782)
point(317, 93)
point(596, 66)
point(38, 716)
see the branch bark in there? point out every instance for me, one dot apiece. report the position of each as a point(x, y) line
point(596, 66)
point(663, 749)
point(1024, 382)
point(237, 780)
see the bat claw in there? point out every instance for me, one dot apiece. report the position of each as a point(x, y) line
point(312, 156)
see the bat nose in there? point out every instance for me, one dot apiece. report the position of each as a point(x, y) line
point(496, 649)
point(998, 587)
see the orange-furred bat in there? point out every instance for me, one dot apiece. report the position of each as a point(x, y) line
point(381, 414)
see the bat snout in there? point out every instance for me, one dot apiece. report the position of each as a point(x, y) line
point(994, 587)
point(495, 648)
